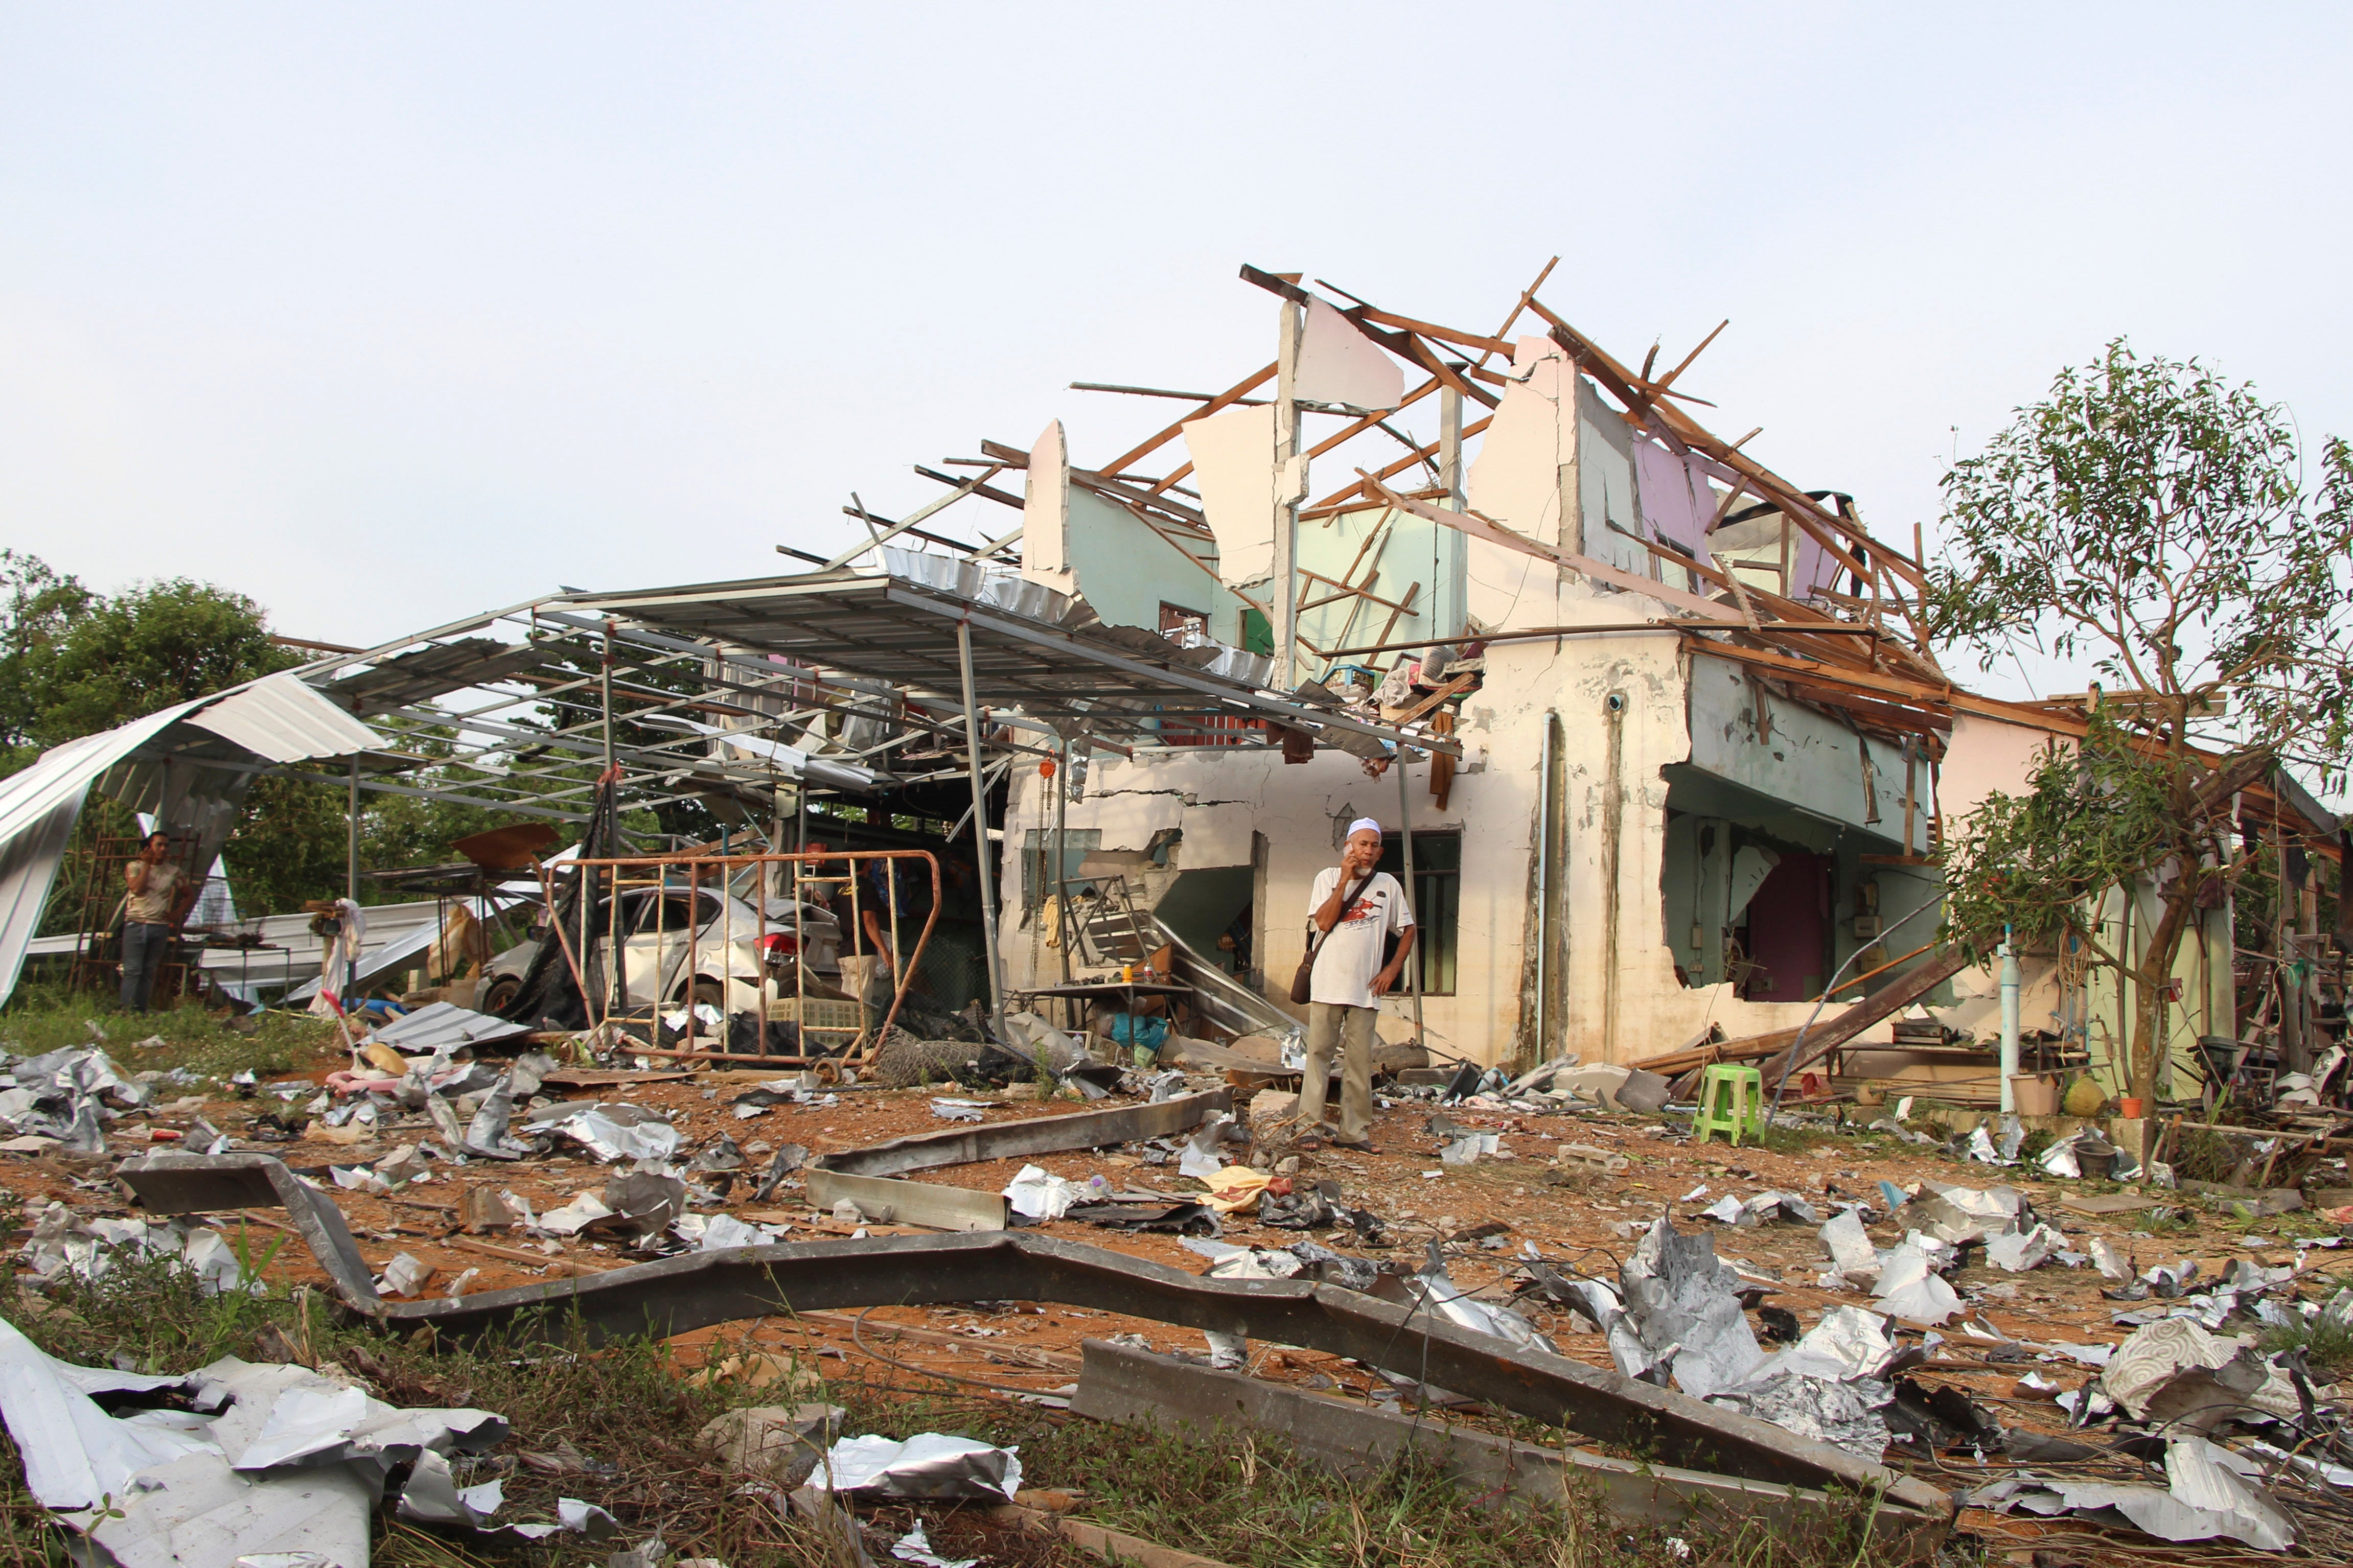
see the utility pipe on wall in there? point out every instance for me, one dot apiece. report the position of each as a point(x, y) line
point(1543, 867)
point(1420, 937)
point(2011, 980)
point(979, 824)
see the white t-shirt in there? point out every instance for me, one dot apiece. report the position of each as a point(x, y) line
point(1349, 954)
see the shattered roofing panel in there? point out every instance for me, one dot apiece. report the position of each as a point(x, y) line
point(434, 671)
point(1029, 650)
point(283, 719)
point(445, 1025)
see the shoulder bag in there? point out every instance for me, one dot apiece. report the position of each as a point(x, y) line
point(1303, 984)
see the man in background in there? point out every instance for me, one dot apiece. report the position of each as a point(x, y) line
point(870, 941)
point(157, 894)
point(1355, 910)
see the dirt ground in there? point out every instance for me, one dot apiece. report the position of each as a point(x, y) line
point(1571, 1214)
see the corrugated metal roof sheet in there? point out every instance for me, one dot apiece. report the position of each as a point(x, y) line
point(445, 1025)
point(281, 719)
point(38, 807)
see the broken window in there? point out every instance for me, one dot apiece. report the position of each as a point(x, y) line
point(1187, 629)
point(1437, 903)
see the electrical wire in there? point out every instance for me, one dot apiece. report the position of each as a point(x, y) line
point(857, 1338)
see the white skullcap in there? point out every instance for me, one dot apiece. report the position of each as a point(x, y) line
point(1363, 824)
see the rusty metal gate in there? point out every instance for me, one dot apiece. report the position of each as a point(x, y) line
point(695, 944)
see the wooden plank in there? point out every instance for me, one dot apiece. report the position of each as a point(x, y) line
point(909, 1203)
point(1894, 686)
point(1668, 380)
point(1393, 469)
point(1838, 1028)
point(1112, 1545)
point(1441, 766)
point(1453, 687)
point(1411, 593)
point(1443, 335)
point(1232, 394)
point(1346, 592)
point(1482, 527)
point(1825, 1038)
point(1818, 521)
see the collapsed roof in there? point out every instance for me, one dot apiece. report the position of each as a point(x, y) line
point(848, 679)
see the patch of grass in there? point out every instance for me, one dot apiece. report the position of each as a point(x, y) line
point(2295, 1223)
point(2327, 1347)
point(1790, 1140)
point(41, 1018)
point(2206, 1156)
point(1252, 1501)
point(2167, 1222)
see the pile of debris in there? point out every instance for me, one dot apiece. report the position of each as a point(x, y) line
point(236, 1460)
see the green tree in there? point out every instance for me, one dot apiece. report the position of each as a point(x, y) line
point(74, 662)
point(2160, 520)
point(120, 658)
point(37, 607)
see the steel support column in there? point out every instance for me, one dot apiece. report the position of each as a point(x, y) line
point(980, 825)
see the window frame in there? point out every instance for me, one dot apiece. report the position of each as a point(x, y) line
point(1437, 901)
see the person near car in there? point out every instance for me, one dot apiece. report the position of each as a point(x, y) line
point(893, 904)
point(871, 932)
point(1354, 910)
point(156, 895)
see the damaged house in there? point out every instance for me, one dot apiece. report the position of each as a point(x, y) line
point(1675, 807)
point(1662, 744)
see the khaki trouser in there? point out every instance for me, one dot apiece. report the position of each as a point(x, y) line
point(1331, 1023)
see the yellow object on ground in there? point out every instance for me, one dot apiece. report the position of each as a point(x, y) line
point(1235, 1188)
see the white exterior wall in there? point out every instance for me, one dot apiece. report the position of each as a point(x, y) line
point(1621, 999)
point(1987, 755)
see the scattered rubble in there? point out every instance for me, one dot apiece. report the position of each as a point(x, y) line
point(265, 1459)
point(1870, 1287)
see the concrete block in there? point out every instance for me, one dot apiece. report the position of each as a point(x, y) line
point(1271, 1107)
point(1643, 1091)
point(1598, 1082)
point(780, 1443)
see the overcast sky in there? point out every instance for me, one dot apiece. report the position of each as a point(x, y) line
point(383, 315)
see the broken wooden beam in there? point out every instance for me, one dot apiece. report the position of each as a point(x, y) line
point(1115, 1546)
point(1825, 1035)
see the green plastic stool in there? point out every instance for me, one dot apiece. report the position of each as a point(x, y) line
point(1731, 1102)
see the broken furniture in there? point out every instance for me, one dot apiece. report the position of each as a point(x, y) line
point(1079, 994)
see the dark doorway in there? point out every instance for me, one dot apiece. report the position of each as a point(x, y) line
point(1787, 934)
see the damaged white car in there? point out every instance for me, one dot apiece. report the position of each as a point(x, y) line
point(684, 946)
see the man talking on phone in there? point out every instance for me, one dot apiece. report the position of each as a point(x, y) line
point(1354, 909)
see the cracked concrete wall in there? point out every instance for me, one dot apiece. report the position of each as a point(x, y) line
point(1620, 997)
